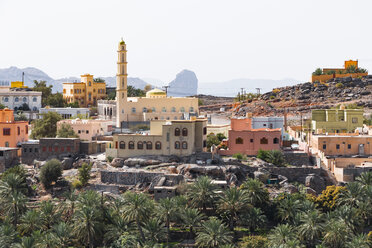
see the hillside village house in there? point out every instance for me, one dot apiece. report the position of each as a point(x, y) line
point(86, 93)
point(336, 120)
point(177, 137)
point(155, 106)
point(246, 140)
point(12, 133)
point(88, 129)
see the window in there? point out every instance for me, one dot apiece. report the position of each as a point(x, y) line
point(204, 143)
point(122, 145)
point(184, 145)
point(37, 150)
point(264, 125)
point(79, 131)
point(6, 131)
point(168, 134)
point(144, 110)
point(6, 99)
point(177, 145)
point(204, 130)
point(24, 99)
point(34, 109)
point(191, 109)
point(87, 131)
point(34, 99)
point(16, 99)
point(50, 149)
point(184, 131)
point(158, 145)
point(62, 149)
point(349, 146)
point(271, 126)
point(56, 149)
point(6, 144)
point(25, 150)
point(173, 109)
point(149, 145)
point(337, 146)
point(133, 110)
point(90, 83)
point(139, 145)
point(94, 90)
point(324, 146)
point(163, 109)
point(182, 110)
point(276, 141)
point(239, 141)
point(354, 120)
point(18, 130)
point(264, 141)
point(44, 149)
point(251, 140)
point(153, 109)
point(68, 148)
point(131, 145)
point(177, 132)
point(26, 129)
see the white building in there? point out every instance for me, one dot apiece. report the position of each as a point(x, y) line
point(17, 98)
point(66, 113)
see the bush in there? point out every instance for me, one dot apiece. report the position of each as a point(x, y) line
point(50, 172)
point(318, 72)
point(76, 184)
point(238, 156)
point(221, 136)
point(109, 159)
point(253, 242)
point(84, 173)
point(212, 140)
point(275, 157)
point(339, 85)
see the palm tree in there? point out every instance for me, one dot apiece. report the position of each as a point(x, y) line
point(30, 222)
point(352, 195)
point(214, 234)
point(191, 217)
point(118, 227)
point(256, 192)
point(137, 208)
point(202, 193)
point(166, 210)
point(49, 214)
point(231, 203)
point(288, 208)
point(8, 235)
point(63, 233)
point(281, 235)
point(154, 230)
point(311, 228)
point(26, 242)
point(254, 218)
point(69, 204)
point(365, 178)
point(349, 215)
point(359, 241)
point(336, 233)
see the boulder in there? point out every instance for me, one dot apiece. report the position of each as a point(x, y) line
point(262, 175)
point(67, 163)
point(131, 162)
point(315, 182)
point(117, 162)
point(290, 188)
point(310, 191)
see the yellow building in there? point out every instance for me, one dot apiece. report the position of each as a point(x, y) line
point(86, 93)
point(180, 138)
point(155, 106)
point(17, 84)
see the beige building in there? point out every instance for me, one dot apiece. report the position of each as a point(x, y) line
point(155, 106)
point(177, 137)
point(88, 129)
point(86, 93)
point(215, 129)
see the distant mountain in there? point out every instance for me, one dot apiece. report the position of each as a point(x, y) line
point(185, 84)
point(232, 87)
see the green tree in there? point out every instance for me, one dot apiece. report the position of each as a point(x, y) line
point(44, 89)
point(202, 193)
point(318, 72)
point(30, 222)
point(63, 232)
point(281, 236)
point(365, 178)
point(257, 194)
point(288, 207)
point(20, 117)
point(84, 173)
point(254, 218)
point(311, 228)
point(336, 234)
point(56, 100)
point(191, 217)
point(73, 105)
point(66, 131)
point(254, 242)
point(49, 214)
point(45, 127)
point(50, 172)
point(221, 136)
point(212, 140)
point(134, 92)
point(359, 241)
point(8, 235)
point(352, 195)
point(274, 156)
point(154, 230)
point(166, 211)
point(214, 233)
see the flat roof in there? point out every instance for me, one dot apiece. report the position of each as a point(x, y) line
point(9, 148)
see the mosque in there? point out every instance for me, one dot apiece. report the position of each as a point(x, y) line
point(155, 106)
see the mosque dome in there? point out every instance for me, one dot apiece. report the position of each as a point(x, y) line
point(156, 93)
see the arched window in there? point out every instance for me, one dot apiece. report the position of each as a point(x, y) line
point(131, 145)
point(191, 109)
point(173, 109)
point(122, 145)
point(276, 141)
point(149, 145)
point(153, 109)
point(34, 109)
point(184, 145)
point(139, 145)
point(158, 145)
point(177, 145)
point(6, 99)
point(239, 141)
point(6, 144)
point(104, 111)
point(24, 99)
point(18, 130)
point(34, 99)
point(177, 132)
point(163, 109)
point(133, 110)
point(184, 131)
point(182, 110)
point(90, 83)
point(144, 110)
point(16, 99)
point(264, 141)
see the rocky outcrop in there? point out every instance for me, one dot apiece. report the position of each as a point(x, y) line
point(185, 84)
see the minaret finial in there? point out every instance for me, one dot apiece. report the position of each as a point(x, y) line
point(122, 41)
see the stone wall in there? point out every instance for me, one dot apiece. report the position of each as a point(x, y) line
point(295, 174)
point(298, 159)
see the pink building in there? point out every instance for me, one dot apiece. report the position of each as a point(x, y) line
point(88, 129)
point(245, 140)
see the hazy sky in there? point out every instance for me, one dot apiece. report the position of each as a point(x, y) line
point(218, 40)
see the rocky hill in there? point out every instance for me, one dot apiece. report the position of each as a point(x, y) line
point(185, 84)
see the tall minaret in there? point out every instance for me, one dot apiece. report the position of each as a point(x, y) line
point(121, 84)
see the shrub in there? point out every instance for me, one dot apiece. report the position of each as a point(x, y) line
point(238, 156)
point(109, 159)
point(275, 157)
point(212, 140)
point(276, 91)
point(318, 72)
point(50, 172)
point(272, 97)
point(327, 200)
point(76, 184)
point(339, 85)
point(253, 242)
point(221, 136)
point(84, 173)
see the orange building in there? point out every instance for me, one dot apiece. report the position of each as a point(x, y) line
point(86, 93)
point(12, 133)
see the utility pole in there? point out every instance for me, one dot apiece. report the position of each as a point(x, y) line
point(166, 89)
point(23, 77)
point(258, 91)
